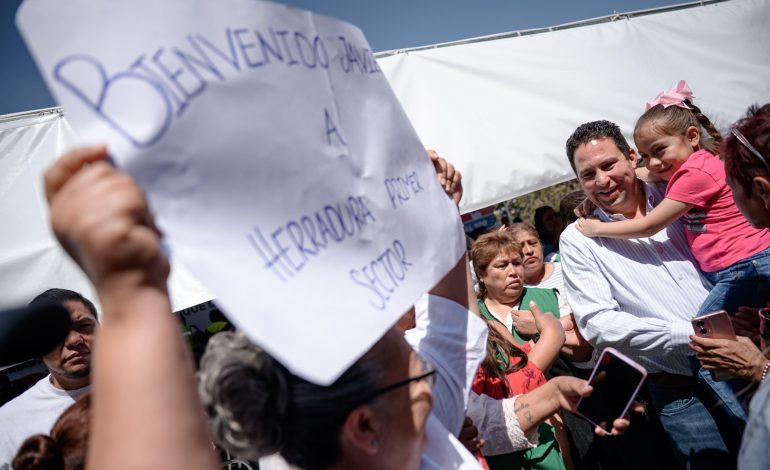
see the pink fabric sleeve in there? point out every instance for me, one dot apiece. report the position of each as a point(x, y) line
point(692, 186)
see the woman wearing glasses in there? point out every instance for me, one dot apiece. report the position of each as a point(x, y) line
point(378, 414)
point(746, 153)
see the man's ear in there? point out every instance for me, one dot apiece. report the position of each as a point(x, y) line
point(362, 430)
point(693, 136)
point(633, 157)
point(760, 185)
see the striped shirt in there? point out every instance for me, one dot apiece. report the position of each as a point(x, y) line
point(637, 296)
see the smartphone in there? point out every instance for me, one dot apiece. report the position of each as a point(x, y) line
point(715, 325)
point(616, 380)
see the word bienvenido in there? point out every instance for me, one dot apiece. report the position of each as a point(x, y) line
point(162, 84)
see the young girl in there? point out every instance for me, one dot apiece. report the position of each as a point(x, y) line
point(727, 248)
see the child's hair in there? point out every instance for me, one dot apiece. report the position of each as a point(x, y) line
point(740, 163)
point(675, 121)
point(65, 448)
point(496, 361)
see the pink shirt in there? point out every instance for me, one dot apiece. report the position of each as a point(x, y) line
point(717, 232)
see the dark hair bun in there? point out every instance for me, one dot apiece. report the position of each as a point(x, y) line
point(38, 452)
point(238, 382)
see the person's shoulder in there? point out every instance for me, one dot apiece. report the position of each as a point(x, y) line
point(11, 410)
point(571, 239)
point(702, 160)
point(570, 234)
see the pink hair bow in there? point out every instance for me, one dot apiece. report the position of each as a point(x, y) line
point(673, 97)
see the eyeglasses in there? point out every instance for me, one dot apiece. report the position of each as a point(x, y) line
point(429, 375)
point(747, 144)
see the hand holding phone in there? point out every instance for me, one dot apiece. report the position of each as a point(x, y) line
point(616, 380)
point(715, 325)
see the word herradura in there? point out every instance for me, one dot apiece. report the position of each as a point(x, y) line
point(169, 79)
point(290, 247)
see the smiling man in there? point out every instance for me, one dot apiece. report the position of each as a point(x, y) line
point(69, 364)
point(638, 296)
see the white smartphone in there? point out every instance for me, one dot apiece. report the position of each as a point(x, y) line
point(616, 380)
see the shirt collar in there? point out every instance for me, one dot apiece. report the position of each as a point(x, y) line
point(652, 197)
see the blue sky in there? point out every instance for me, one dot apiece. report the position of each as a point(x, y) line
point(393, 24)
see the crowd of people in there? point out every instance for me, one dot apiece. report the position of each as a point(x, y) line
point(479, 374)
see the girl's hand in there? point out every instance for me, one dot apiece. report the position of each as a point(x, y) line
point(589, 227)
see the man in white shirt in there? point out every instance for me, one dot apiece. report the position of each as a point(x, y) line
point(639, 295)
point(69, 363)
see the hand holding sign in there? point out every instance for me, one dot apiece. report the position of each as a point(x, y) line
point(279, 164)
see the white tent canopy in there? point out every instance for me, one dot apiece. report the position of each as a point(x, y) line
point(31, 259)
point(501, 108)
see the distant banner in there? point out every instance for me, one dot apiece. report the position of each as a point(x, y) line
point(279, 162)
point(501, 110)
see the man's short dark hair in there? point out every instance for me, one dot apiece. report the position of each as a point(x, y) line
point(59, 296)
point(595, 130)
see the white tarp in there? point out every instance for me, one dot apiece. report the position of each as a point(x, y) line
point(280, 165)
point(501, 110)
point(31, 259)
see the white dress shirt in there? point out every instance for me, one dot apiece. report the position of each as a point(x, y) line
point(638, 295)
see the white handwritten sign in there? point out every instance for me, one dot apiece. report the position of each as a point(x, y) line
point(279, 163)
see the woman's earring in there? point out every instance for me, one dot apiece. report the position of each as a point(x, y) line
point(375, 444)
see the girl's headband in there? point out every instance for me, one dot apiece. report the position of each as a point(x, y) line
point(673, 97)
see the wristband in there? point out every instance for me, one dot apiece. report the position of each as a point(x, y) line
point(765, 370)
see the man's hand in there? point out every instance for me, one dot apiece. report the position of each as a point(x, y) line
point(448, 177)
point(739, 358)
point(101, 218)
